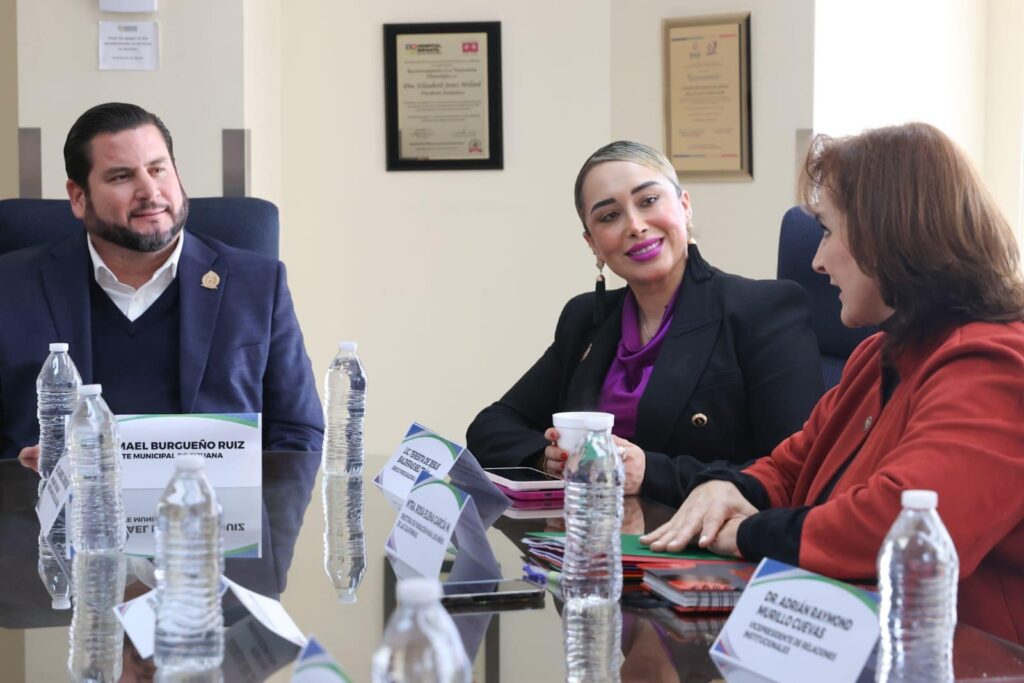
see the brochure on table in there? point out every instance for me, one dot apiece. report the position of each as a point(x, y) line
point(796, 626)
point(138, 616)
point(252, 652)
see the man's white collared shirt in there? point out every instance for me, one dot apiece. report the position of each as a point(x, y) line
point(130, 301)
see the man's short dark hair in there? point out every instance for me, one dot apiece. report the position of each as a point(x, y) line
point(112, 117)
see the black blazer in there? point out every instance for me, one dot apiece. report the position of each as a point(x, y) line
point(741, 352)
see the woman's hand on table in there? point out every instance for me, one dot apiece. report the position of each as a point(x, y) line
point(713, 508)
point(554, 457)
point(725, 539)
point(634, 461)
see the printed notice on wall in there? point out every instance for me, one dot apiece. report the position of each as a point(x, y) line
point(129, 45)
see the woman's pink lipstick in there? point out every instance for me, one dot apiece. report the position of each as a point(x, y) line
point(646, 250)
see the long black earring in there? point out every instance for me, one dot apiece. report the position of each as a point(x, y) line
point(599, 294)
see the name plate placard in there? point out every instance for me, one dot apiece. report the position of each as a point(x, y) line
point(231, 443)
point(796, 626)
point(425, 524)
point(420, 451)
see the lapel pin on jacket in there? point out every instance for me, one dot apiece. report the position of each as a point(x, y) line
point(211, 280)
point(699, 420)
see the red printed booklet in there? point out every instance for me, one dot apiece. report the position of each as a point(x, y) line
point(700, 585)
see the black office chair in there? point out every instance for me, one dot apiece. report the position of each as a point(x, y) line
point(798, 241)
point(244, 222)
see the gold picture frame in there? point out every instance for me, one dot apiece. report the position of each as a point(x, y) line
point(707, 97)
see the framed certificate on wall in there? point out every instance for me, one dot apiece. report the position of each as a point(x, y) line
point(707, 97)
point(442, 96)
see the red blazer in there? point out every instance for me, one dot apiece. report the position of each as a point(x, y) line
point(954, 424)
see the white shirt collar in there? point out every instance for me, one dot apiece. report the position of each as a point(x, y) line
point(106, 278)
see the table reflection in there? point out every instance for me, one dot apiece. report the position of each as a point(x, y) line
point(344, 544)
point(306, 563)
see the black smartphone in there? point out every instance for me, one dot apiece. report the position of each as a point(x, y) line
point(491, 595)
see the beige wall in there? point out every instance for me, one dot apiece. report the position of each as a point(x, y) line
point(737, 223)
point(450, 281)
point(1003, 167)
point(262, 96)
point(9, 101)
point(197, 91)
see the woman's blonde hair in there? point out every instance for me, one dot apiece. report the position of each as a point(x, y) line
point(624, 150)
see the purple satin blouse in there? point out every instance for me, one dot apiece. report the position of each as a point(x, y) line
point(631, 368)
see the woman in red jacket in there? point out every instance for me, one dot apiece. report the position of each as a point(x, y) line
point(934, 401)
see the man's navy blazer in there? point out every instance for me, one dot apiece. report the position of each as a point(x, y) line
point(240, 347)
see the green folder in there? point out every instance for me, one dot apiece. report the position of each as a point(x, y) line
point(631, 546)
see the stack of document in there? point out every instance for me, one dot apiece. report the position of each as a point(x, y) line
point(548, 548)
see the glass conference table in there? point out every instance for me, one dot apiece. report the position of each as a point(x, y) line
point(508, 645)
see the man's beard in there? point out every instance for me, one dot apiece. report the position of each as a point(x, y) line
point(124, 236)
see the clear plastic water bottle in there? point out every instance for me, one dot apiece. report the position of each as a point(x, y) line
point(344, 407)
point(344, 543)
point(421, 643)
point(593, 515)
point(97, 637)
point(189, 562)
point(918, 571)
point(98, 536)
point(593, 641)
point(56, 392)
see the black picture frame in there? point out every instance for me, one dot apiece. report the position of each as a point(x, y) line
point(493, 144)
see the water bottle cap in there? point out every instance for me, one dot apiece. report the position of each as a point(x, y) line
point(350, 346)
point(59, 347)
point(418, 591)
point(61, 602)
point(189, 461)
point(920, 500)
point(90, 390)
point(599, 422)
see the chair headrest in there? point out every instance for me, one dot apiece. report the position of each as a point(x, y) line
point(244, 222)
point(798, 242)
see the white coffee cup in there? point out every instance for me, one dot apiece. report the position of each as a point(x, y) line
point(572, 428)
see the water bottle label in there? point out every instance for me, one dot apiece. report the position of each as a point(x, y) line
point(794, 625)
point(54, 495)
point(420, 451)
